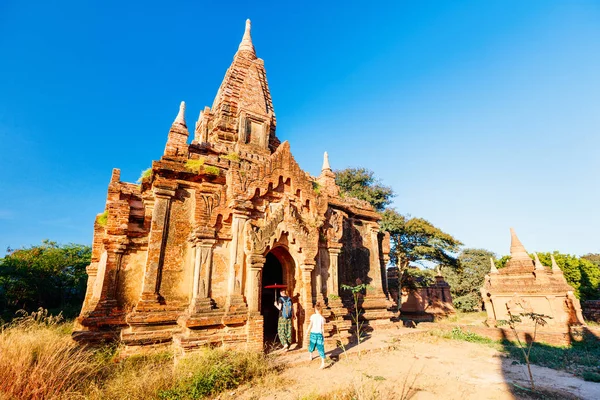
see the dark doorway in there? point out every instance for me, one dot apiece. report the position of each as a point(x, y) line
point(272, 274)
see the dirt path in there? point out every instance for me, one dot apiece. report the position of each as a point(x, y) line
point(394, 365)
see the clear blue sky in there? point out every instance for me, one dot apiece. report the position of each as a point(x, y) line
point(480, 114)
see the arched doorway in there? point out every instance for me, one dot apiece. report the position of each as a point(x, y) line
point(278, 269)
point(272, 274)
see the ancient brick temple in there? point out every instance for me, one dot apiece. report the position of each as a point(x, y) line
point(525, 285)
point(184, 257)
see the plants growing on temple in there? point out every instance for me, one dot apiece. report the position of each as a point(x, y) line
point(103, 218)
point(235, 157)
point(212, 170)
point(48, 275)
point(316, 186)
point(195, 165)
point(147, 173)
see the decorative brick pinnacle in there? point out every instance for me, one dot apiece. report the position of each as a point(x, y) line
point(181, 115)
point(326, 166)
point(517, 250)
point(555, 267)
point(246, 44)
point(538, 263)
point(493, 269)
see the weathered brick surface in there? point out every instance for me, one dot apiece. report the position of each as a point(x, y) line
point(181, 256)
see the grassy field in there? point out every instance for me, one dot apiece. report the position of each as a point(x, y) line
point(39, 360)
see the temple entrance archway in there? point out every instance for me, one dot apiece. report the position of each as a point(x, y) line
point(278, 269)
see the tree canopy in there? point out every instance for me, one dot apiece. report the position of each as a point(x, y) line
point(49, 275)
point(361, 184)
point(466, 280)
point(413, 240)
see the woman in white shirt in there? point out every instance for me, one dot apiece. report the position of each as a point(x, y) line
point(315, 327)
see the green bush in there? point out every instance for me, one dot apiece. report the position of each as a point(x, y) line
point(591, 376)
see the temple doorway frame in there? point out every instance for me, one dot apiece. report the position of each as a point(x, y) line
point(288, 272)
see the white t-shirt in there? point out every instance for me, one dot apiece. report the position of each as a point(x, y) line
point(317, 323)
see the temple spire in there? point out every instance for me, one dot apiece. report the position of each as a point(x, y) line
point(176, 147)
point(246, 44)
point(538, 263)
point(517, 250)
point(180, 119)
point(493, 269)
point(326, 166)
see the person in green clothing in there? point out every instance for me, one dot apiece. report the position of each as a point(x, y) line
point(284, 325)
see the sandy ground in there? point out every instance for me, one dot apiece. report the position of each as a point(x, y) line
point(399, 364)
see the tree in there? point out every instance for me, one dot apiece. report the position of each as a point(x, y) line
point(361, 184)
point(413, 240)
point(466, 280)
point(50, 276)
point(416, 240)
point(594, 258)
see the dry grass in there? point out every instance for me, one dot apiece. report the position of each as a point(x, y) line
point(39, 360)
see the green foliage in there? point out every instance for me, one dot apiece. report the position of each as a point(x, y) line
point(591, 376)
point(513, 321)
point(147, 173)
point(414, 278)
point(361, 184)
point(466, 280)
point(49, 275)
point(458, 334)
point(212, 170)
point(235, 157)
point(316, 187)
point(194, 165)
point(103, 218)
point(357, 292)
point(594, 258)
point(501, 262)
point(416, 240)
point(215, 371)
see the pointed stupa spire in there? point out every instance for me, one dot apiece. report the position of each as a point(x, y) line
point(538, 263)
point(326, 166)
point(493, 269)
point(517, 250)
point(181, 115)
point(555, 267)
point(246, 44)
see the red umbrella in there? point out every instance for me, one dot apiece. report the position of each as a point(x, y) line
point(276, 286)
